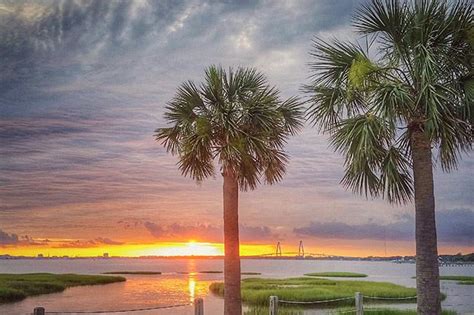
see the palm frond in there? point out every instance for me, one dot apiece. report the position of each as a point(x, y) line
point(331, 93)
point(392, 101)
point(391, 18)
point(291, 111)
point(332, 61)
point(363, 141)
point(396, 182)
point(170, 138)
point(454, 137)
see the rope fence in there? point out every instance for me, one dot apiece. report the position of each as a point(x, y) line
point(273, 306)
point(316, 302)
point(198, 309)
point(358, 298)
point(390, 298)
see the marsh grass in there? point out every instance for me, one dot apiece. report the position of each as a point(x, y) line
point(467, 280)
point(244, 273)
point(336, 274)
point(16, 287)
point(256, 291)
point(132, 273)
point(464, 280)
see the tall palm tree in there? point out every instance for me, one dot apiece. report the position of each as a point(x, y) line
point(237, 120)
point(388, 103)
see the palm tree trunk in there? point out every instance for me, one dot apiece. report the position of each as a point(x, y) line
point(427, 269)
point(232, 298)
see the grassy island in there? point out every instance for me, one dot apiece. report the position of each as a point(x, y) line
point(468, 280)
point(132, 273)
point(336, 274)
point(16, 287)
point(256, 291)
point(245, 273)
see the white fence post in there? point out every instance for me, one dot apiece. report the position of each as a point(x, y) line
point(359, 301)
point(38, 311)
point(273, 305)
point(198, 306)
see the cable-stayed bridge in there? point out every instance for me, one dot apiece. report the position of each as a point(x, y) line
point(279, 253)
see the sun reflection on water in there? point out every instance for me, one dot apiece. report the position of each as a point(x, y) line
point(192, 279)
point(191, 287)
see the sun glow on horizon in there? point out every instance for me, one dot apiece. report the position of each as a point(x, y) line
point(189, 248)
point(195, 248)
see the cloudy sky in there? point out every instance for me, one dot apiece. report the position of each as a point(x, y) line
point(83, 85)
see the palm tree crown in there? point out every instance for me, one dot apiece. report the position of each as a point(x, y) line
point(419, 77)
point(233, 117)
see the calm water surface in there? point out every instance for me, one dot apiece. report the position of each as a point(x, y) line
point(180, 284)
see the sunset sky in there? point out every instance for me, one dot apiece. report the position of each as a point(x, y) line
point(83, 85)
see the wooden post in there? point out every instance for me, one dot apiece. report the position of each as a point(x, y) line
point(198, 306)
point(273, 305)
point(359, 301)
point(38, 311)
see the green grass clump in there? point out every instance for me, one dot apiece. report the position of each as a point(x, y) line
point(16, 287)
point(218, 271)
point(336, 274)
point(243, 272)
point(257, 291)
point(132, 273)
point(246, 273)
point(467, 280)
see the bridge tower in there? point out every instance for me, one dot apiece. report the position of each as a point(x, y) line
point(301, 250)
point(278, 250)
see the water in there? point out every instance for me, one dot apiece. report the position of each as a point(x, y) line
point(175, 287)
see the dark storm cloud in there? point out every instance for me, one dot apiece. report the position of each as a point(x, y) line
point(50, 42)
point(402, 230)
point(12, 239)
point(7, 239)
point(177, 231)
point(209, 233)
point(454, 226)
point(49, 38)
point(87, 243)
point(12, 133)
point(256, 233)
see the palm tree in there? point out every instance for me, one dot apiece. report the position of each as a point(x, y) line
point(387, 103)
point(237, 120)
